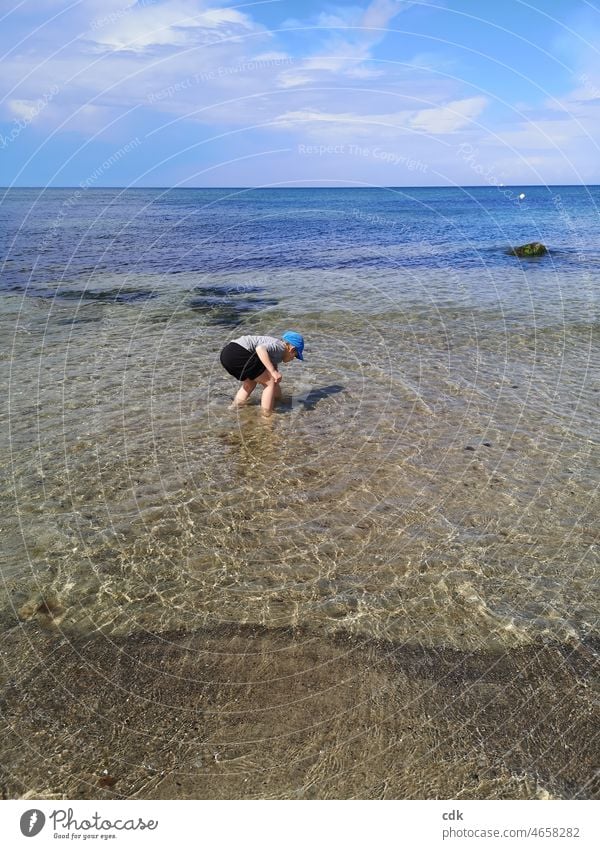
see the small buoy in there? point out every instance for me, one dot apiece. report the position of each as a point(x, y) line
point(521, 196)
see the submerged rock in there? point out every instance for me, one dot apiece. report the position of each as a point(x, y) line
point(530, 249)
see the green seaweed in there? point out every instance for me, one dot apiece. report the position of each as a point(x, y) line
point(531, 249)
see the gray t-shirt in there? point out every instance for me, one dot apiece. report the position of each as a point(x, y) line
point(275, 347)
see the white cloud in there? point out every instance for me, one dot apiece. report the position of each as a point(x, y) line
point(434, 121)
point(543, 135)
point(293, 79)
point(150, 65)
point(116, 54)
point(562, 124)
point(338, 16)
point(25, 109)
point(145, 55)
point(451, 117)
point(334, 127)
point(345, 54)
point(178, 23)
point(271, 56)
point(308, 117)
point(379, 13)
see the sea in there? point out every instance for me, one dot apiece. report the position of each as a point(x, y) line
point(427, 489)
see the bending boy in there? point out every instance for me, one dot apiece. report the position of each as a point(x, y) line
point(254, 359)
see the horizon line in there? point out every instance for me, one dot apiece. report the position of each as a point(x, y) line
point(349, 188)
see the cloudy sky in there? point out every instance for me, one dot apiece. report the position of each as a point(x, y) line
point(299, 92)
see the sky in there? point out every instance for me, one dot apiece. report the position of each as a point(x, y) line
point(299, 93)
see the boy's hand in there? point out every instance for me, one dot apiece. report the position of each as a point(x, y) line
point(263, 356)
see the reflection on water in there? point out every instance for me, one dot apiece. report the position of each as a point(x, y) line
point(436, 490)
point(427, 485)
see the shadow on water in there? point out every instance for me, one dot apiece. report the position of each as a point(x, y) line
point(310, 399)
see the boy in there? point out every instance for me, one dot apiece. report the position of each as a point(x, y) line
point(254, 359)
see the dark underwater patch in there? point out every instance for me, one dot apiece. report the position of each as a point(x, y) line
point(229, 291)
point(105, 296)
point(77, 320)
point(228, 305)
point(98, 296)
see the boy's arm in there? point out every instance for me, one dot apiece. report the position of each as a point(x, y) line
point(263, 356)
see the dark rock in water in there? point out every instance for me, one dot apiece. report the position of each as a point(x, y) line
point(106, 780)
point(73, 321)
point(99, 296)
point(530, 249)
point(106, 296)
point(227, 311)
point(229, 291)
point(47, 609)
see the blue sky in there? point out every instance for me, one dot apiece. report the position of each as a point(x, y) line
point(283, 92)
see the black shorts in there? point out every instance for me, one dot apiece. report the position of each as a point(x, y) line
point(240, 363)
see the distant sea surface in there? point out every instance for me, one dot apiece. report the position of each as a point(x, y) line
point(430, 480)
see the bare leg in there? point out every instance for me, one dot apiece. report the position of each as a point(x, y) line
point(267, 401)
point(244, 393)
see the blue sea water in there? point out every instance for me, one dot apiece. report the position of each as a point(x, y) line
point(421, 246)
point(47, 235)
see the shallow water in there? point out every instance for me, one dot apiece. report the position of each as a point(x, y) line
point(429, 482)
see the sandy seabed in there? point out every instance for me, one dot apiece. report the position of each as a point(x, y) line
point(247, 712)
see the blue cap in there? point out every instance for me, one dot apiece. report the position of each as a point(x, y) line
point(296, 340)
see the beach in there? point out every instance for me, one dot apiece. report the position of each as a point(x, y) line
point(389, 589)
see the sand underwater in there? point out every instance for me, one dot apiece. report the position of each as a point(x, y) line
point(250, 712)
point(387, 590)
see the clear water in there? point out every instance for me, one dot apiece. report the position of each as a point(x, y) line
point(430, 479)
